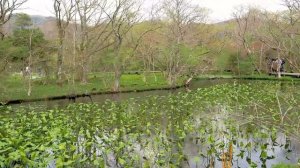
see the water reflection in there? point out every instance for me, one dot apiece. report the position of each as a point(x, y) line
point(256, 147)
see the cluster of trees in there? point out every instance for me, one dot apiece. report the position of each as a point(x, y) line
point(173, 37)
point(169, 40)
point(25, 47)
point(261, 36)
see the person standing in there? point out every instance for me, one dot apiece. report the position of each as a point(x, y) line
point(281, 65)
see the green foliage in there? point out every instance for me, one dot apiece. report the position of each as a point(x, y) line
point(282, 165)
point(224, 61)
point(159, 131)
point(189, 58)
point(241, 65)
point(246, 66)
point(23, 21)
point(21, 37)
point(16, 48)
point(192, 55)
point(11, 52)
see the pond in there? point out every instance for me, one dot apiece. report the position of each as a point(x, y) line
point(123, 96)
point(218, 123)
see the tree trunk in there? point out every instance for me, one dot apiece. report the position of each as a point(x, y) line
point(29, 66)
point(60, 57)
point(118, 75)
point(117, 65)
point(171, 79)
point(84, 70)
point(1, 32)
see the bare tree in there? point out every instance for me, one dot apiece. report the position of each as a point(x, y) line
point(281, 33)
point(93, 32)
point(182, 39)
point(147, 52)
point(290, 27)
point(7, 7)
point(122, 14)
point(64, 11)
point(276, 33)
point(249, 21)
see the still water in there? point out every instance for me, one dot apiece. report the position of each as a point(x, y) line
point(214, 123)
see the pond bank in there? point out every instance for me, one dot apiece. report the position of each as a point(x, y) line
point(132, 83)
point(13, 90)
point(73, 97)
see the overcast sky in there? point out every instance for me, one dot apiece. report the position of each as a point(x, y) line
point(220, 9)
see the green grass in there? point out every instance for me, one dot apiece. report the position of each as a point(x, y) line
point(15, 87)
point(282, 165)
point(211, 76)
point(249, 77)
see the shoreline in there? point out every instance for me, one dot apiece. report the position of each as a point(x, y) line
point(270, 78)
point(74, 96)
point(80, 95)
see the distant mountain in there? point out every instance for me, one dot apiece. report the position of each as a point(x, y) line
point(46, 24)
point(226, 22)
point(40, 20)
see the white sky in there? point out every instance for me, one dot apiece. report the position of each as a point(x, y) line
point(220, 9)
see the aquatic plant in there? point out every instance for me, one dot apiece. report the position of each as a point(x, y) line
point(224, 125)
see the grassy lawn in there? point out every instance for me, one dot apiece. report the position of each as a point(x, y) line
point(15, 87)
point(249, 77)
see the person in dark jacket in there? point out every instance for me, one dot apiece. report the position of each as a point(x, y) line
point(281, 65)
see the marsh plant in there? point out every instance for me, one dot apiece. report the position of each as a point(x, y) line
point(228, 125)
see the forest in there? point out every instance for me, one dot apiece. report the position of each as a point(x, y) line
point(174, 39)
